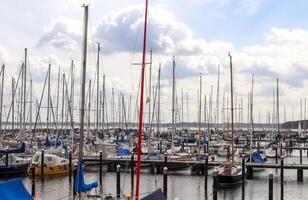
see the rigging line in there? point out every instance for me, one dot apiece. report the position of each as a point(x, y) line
point(15, 89)
point(40, 104)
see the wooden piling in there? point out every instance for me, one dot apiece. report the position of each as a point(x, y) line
point(243, 177)
point(6, 157)
point(70, 164)
point(165, 182)
point(281, 179)
point(270, 186)
point(215, 180)
point(100, 167)
point(132, 168)
point(33, 179)
point(42, 163)
point(118, 182)
point(206, 174)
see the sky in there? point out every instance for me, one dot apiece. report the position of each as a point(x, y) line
point(266, 38)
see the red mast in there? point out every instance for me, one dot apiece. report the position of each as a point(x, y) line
point(141, 100)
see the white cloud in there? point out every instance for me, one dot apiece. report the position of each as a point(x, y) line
point(63, 33)
point(282, 54)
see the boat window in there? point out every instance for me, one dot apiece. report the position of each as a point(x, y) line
point(49, 159)
point(36, 158)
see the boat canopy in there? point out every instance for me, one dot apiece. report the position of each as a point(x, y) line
point(156, 195)
point(14, 190)
point(80, 185)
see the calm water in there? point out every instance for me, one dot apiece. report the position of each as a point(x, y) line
point(182, 185)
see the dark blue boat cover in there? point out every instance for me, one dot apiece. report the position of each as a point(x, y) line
point(256, 157)
point(122, 152)
point(80, 185)
point(14, 190)
point(156, 195)
point(21, 149)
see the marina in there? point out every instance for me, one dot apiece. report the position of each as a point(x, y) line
point(162, 131)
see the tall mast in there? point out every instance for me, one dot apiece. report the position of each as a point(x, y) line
point(199, 116)
point(72, 89)
point(48, 99)
point(173, 104)
point(278, 128)
point(62, 108)
point(97, 88)
point(113, 110)
point(217, 99)
point(205, 115)
point(58, 94)
point(31, 104)
point(158, 104)
point(103, 109)
point(83, 78)
point(13, 102)
point(187, 110)
point(251, 115)
point(150, 94)
point(25, 94)
point(89, 111)
point(182, 108)
point(141, 99)
point(231, 77)
point(2, 86)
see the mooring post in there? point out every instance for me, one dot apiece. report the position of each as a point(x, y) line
point(281, 179)
point(6, 157)
point(228, 153)
point(300, 170)
point(243, 176)
point(206, 174)
point(270, 186)
point(161, 146)
point(280, 148)
point(33, 179)
point(165, 182)
point(300, 156)
point(215, 180)
point(132, 168)
point(70, 164)
point(42, 163)
point(276, 157)
point(118, 182)
point(100, 167)
point(74, 178)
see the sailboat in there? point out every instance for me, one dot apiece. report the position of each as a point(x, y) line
point(12, 164)
point(80, 187)
point(230, 174)
point(270, 152)
point(53, 164)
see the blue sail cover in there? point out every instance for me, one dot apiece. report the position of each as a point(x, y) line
point(256, 157)
point(14, 190)
point(80, 185)
point(122, 152)
point(156, 195)
point(49, 143)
